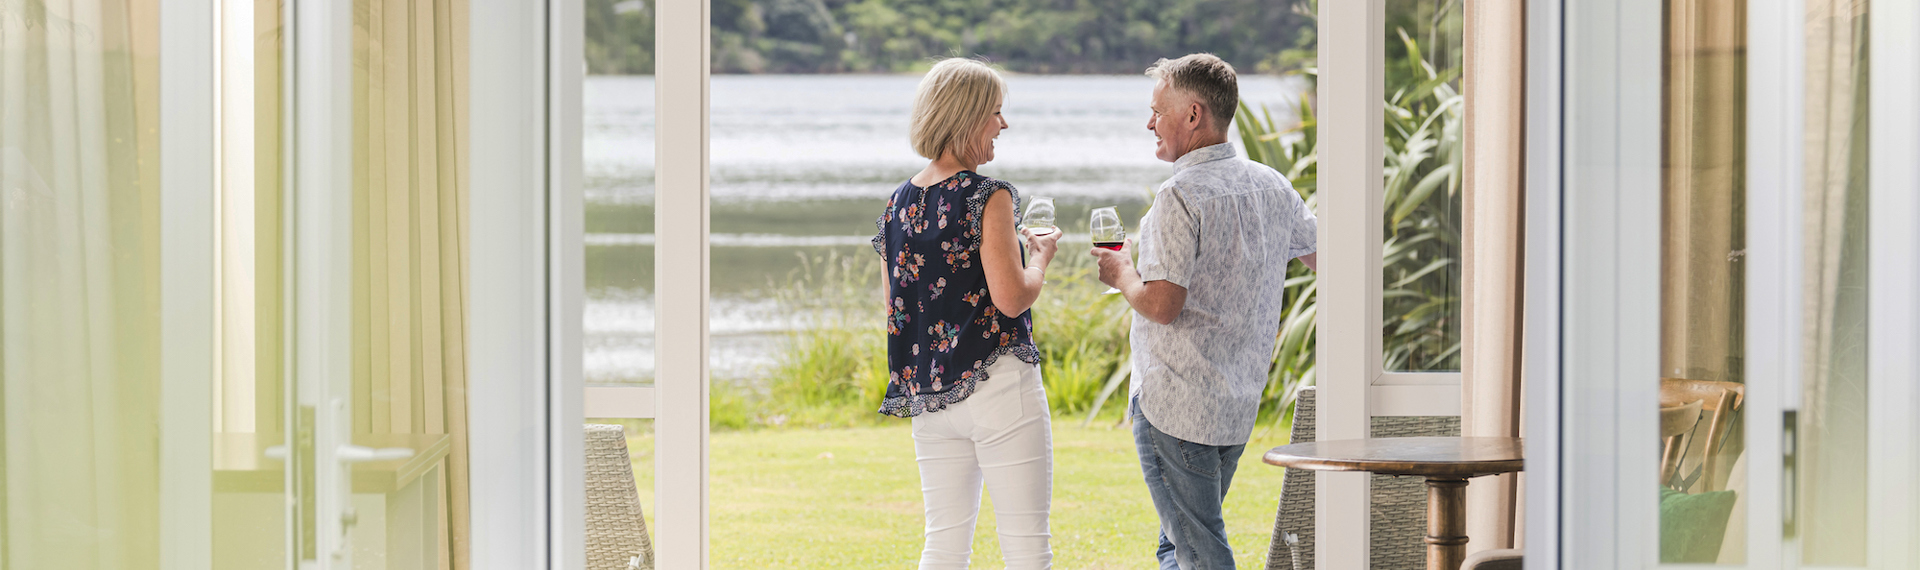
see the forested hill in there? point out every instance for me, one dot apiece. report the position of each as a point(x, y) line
point(1032, 36)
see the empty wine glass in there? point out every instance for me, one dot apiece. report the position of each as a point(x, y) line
point(1039, 217)
point(1108, 232)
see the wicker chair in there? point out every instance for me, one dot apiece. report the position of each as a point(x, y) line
point(1399, 503)
point(616, 532)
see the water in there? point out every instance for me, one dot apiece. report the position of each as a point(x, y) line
point(802, 164)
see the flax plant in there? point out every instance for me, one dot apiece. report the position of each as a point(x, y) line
point(1421, 271)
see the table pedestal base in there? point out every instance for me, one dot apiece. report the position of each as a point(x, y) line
point(1446, 523)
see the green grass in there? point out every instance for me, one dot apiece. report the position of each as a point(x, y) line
point(850, 498)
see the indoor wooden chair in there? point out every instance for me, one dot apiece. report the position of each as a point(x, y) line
point(1675, 423)
point(1719, 402)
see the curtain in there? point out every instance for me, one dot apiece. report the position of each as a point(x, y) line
point(410, 231)
point(1493, 275)
point(1703, 245)
point(79, 285)
point(1833, 417)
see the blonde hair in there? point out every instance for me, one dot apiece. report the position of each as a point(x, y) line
point(1209, 79)
point(953, 99)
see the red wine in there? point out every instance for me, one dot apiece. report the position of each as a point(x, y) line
point(1113, 245)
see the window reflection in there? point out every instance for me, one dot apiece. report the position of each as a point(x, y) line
point(1831, 467)
point(1702, 283)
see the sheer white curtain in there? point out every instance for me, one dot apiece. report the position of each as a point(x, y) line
point(1833, 417)
point(78, 285)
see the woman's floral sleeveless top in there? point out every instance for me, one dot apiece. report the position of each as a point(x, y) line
point(942, 328)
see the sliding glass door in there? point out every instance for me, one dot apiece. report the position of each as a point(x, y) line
point(1720, 290)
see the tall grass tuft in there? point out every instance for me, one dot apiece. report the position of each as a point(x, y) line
point(1081, 333)
point(832, 367)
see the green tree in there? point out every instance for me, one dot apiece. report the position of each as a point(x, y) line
point(1030, 36)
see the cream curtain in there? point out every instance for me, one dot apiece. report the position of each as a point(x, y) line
point(1493, 273)
point(410, 231)
point(1703, 264)
point(1833, 418)
point(79, 290)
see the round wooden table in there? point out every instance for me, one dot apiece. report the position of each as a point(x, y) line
point(1446, 463)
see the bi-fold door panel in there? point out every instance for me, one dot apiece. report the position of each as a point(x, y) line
point(1721, 400)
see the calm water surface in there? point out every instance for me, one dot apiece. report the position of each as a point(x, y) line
point(802, 164)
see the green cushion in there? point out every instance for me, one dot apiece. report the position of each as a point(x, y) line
point(1692, 526)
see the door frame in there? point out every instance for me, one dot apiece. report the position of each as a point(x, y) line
point(526, 480)
point(188, 186)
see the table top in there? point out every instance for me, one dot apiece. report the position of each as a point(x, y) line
point(1451, 457)
point(241, 465)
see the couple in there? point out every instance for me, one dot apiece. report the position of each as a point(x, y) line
point(1213, 255)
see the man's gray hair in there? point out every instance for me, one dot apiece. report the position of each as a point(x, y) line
point(1208, 79)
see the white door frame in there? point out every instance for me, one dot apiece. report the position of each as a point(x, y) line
point(1893, 244)
point(1353, 386)
point(1352, 59)
point(1545, 505)
point(188, 181)
point(681, 277)
point(525, 476)
point(321, 108)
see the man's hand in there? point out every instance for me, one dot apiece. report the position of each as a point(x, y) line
point(1159, 301)
point(1116, 267)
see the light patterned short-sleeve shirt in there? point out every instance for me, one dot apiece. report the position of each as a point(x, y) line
point(1225, 228)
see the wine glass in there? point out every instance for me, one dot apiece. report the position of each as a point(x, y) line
point(1039, 217)
point(1108, 232)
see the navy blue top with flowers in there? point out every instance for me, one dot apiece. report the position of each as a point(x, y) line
point(942, 328)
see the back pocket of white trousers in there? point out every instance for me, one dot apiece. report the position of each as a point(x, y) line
point(1000, 400)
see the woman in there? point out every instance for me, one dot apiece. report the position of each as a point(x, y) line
point(959, 339)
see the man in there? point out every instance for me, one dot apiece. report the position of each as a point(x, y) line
point(1213, 252)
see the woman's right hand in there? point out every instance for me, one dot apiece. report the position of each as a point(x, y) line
point(1042, 245)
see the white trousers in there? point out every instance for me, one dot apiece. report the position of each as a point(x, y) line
point(1002, 434)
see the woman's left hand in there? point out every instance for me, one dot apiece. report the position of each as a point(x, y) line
point(1042, 245)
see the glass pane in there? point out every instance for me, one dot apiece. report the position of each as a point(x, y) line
point(80, 260)
point(1702, 283)
point(618, 150)
point(1420, 258)
point(409, 311)
point(618, 321)
point(1831, 466)
point(249, 396)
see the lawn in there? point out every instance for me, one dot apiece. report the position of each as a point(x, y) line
point(850, 498)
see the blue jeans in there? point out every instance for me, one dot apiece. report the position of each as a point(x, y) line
point(1188, 482)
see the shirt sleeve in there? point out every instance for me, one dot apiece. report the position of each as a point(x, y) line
point(1305, 238)
point(1169, 240)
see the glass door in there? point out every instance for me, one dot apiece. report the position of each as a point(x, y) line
point(376, 238)
point(1726, 396)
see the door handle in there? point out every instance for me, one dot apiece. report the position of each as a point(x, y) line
point(359, 454)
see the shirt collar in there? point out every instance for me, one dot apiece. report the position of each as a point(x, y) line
point(1205, 154)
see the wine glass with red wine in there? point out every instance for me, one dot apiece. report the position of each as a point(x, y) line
point(1039, 217)
point(1108, 232)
